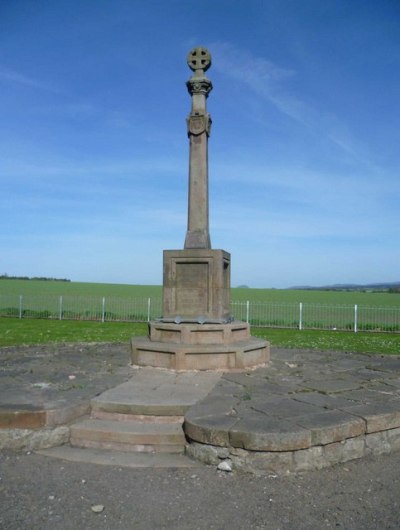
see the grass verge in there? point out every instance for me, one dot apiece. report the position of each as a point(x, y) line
point(14, 331)
point(382, 343)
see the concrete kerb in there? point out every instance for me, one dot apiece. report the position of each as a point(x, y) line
point(277, 419)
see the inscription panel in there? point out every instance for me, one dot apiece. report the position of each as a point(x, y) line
point(191, 274)
point(191, 292)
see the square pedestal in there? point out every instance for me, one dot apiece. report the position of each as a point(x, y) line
point(196, 285)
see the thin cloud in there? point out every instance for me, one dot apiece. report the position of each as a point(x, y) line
point(11, 76)
point(270, 81)
point(263, 76)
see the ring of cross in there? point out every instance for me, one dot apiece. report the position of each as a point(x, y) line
point(199, 59)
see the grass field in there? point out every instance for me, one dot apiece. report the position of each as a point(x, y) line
point(273, 308)
point(15, 332)
point(32, 287)
point(37, 287)
point(317, 297)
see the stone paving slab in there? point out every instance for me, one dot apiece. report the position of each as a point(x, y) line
point(155, 391)
point(378, 416)
point(48, 385)
point(331, 426)
point(304, 411)
point(257, 432)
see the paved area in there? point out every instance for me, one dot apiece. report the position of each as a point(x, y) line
point(158, 392)
point(306, 410)
point(49, 384)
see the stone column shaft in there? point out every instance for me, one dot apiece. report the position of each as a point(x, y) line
point(199, 123)
point(198, 235)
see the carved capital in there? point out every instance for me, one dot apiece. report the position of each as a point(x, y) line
point(198, 124)
point(199, 85)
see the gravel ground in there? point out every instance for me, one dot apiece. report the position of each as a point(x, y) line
point(43, 493)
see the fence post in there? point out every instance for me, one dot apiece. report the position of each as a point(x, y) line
point(301, 316)
point(20, 306)
point(355, 318)
point(247, 311)
point(103, 312)
point(148, 309)
point(61, 307)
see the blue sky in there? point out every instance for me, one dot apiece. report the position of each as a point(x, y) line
point(304, 153)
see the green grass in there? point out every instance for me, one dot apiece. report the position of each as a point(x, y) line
point(316, 297)
point(14, 331)
point(380, 343)
point(268, 307)
point(35, 287)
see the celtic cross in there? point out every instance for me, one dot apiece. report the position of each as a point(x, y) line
point(198, 126)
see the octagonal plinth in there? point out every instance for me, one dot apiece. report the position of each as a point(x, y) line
point(199, 333)
point(199, 347)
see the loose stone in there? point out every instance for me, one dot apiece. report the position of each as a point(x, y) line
point(97, 508)
point(225, 465)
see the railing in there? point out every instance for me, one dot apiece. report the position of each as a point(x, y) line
point(69, 307)
point(261, 314)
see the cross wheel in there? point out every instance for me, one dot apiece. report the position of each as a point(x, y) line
point(199, 59)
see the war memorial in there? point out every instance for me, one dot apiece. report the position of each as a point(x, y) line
point(199, 388)
point(197, 330)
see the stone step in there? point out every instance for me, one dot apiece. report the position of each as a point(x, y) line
point(154, 392)
point(116, 416)
point(120, 459)
point(128, 436)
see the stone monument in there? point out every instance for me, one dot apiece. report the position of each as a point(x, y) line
point(196, 330)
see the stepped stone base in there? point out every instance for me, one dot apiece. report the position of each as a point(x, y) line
point(136, 436)
point(109, 457)
point(199, 347)
point(143, 415)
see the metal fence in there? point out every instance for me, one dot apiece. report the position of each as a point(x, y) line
point(70, 307)
point(261, 314)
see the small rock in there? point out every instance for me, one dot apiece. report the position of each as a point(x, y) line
point(51, 497)
point(225, 465)
point(97, 508)
point(41, 385)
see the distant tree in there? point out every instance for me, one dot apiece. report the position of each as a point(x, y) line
point(5, 276)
